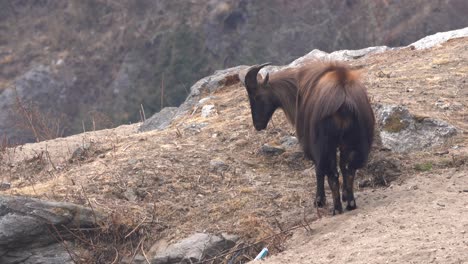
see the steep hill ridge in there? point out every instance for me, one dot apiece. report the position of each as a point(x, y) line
point(96, 63)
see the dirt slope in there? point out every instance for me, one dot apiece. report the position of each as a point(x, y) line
point(423, 220)
point(166, 185)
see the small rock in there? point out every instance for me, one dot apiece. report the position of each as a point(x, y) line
point(444, 106)
point(197, 247)
point(441, 104)
point(250, 163)
point(441, 153)
point(218, 165)
point(289, 141)
point(80, 153)
point(382, 74)
point(208, 110)
point(241, 142)
point(456, 106)
point(307, 172)
point(195, 127)
point(270, 150)
point(5, 186)
point(132, 161)
point(130, 195)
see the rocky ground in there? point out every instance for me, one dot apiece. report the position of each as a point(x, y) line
point(211, 172)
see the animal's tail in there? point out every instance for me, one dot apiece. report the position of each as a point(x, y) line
point(337, 95)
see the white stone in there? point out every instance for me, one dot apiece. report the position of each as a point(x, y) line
point(208, 110)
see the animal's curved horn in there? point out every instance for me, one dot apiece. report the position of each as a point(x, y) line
point(251, 76)
point(265, 81)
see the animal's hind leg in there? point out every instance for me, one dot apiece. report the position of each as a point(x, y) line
point(320, 193)
point(348, 178)
point(333, 182)
point(351, 202)
point(344, 159)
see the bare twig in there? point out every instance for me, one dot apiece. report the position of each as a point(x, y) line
point(319, 215)
point(76, 236)
point(50, 160)
point(162, 91)
point(307, 225)
point(27, 115)
point(144, 254)
point(116, 256)
point(134, 229)
point(278, 224)
point(143, 115)
point(138, 246)
point(62, 241)
point(90, 205)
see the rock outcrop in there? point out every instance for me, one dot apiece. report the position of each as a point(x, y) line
point(39, 93)
point(34, 231)
point(201, 88)
point(401, 131)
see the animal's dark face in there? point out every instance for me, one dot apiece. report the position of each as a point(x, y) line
point(261, 100)
point(262, 108)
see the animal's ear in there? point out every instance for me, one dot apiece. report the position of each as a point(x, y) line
point(265, 81)
point(251, 77)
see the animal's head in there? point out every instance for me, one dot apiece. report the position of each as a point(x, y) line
point(262, 101)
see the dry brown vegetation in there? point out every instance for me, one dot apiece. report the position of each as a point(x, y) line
point(159, 185)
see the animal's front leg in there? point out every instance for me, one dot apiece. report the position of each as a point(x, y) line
point(334, 184)
point(320, 193)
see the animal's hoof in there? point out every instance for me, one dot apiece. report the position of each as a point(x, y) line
point(337, 211)
point(337, 208)
point(351, 205)
point(319, 202)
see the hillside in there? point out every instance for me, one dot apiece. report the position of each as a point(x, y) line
point(86, 64)
point(210, 174)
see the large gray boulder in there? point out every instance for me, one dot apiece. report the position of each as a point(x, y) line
point(160, 120)
point(28, 229)
point(401, 131)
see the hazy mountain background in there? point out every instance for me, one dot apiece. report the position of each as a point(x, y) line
point(89, 64)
